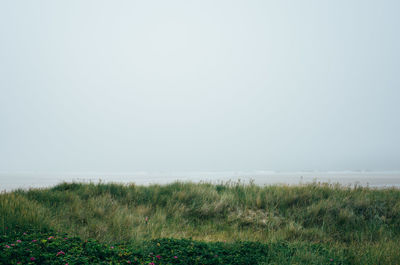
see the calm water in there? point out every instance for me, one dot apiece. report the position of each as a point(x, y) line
point(10, 182)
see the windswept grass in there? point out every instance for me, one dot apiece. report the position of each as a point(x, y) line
point(366, 221)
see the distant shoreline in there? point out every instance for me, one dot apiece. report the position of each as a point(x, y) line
point(13, 181)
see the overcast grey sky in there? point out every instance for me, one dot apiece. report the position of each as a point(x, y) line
point(119, 86)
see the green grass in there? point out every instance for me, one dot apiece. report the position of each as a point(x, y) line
point(355, 224)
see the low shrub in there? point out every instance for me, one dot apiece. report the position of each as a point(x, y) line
point(38, 247)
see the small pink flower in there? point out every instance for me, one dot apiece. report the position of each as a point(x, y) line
point(112, 247)
point(129, 262)
point(19, 241)
point(175, 257)
point(25, 233)
point(12, 245)
point(158, 257)
point(34, 240)
point(65, 238)
point(152, 263)
point(33, 259)
point(66, 263)
point(331, 260)
point(7, 246)
point(60, 253)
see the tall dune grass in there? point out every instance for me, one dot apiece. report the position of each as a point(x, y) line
point(365, 220)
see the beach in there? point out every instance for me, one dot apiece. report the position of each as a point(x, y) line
point(375, 179)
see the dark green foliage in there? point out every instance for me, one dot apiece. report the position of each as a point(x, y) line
point(34, 247)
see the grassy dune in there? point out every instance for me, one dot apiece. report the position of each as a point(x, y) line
point(362, 225)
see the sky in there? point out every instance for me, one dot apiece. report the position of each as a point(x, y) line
point(126, 86)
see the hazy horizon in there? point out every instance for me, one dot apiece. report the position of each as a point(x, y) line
point(129, 86)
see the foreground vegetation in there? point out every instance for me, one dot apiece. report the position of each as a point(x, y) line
point(45, 248)
point(231, 223)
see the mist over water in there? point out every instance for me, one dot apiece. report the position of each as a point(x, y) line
point(192, 87)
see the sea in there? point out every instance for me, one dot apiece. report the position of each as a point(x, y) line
point(373, 179)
